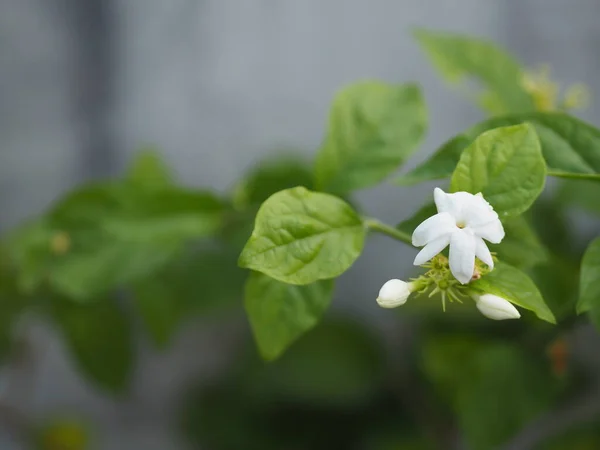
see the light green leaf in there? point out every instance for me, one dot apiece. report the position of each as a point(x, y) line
point(589, 281)
point(506, 165)
point(202, 282)
point(99, 338)
point(515, 286)
point(373, 128)
point(271, 176)
point(301, 236)
point(570, 147)
point(521, 246)
point(280, 313)
point(508, 390)
point(457, 56)
point(149, 170)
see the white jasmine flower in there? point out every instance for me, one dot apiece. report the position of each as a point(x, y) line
point(394, 293)
point(494, 307)
point(463, 221)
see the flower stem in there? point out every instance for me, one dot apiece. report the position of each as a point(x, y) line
point(376, 225)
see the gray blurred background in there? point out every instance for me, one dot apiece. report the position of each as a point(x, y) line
point(217, 85)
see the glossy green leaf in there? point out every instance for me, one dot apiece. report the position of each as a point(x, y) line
point(457, 57)
point(301, 236)
point(570, 147)
point(506, 165)
point(521, 246)
point(271, 176)
point(280, 313)
point(149, 170)
point(98, 336)
point(589, 281)
point(515, 286)
point(508, 390)
point(373, 128)
point(199, 283)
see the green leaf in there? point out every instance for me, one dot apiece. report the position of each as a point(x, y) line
point(301, 236)
point(570, 147)
point(12, 305)
point(521, 246)
point(457, 57)
point(105, 235)
point(200, 283)
point(509, 390)
point(337, 364)
point(280, 313)
point(515, 286)
point(149, 170)
point(589, 281)
point(271, 176)
point(506, 165)
point(99, 338)
point(373, 128)
point(558, 280)
point(583, 194)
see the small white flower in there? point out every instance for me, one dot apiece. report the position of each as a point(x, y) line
point(394, 293)
point(494, 307)
point(463, 221)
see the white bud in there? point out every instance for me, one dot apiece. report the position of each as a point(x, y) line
point(394, 293)
point(496, 308)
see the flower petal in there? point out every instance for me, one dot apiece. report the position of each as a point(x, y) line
point(496, 308)
point(462, 255)
point(432, 228)
point(483, 253)
point(479, 212)
point(454, 204)
point(491, 231)
point(432, 249)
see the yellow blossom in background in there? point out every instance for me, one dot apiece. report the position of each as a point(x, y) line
point(546, 93)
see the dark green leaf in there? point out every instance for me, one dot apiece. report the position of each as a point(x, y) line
point(336, 364)
point(199, 283)
point(570, 147)
point(280, 313)
point(515, 286)
point(373, 128)
point(272, 176)
point(457, 57)
point(301, 236)
point(521, 246)
point(506, 165)
point(98, 336)
point(509, 390)
point(584, 194)
point(589, 282)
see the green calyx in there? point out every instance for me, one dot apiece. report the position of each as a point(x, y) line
point(439, 279)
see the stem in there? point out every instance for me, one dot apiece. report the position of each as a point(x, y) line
point(376, 225)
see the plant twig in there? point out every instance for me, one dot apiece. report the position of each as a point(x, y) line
point(380, 227)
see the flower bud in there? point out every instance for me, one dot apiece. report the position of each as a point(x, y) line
point(394, 293)
point(496, 308)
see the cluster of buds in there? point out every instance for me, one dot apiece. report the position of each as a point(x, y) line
point(545, 93)
point(464, 222)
